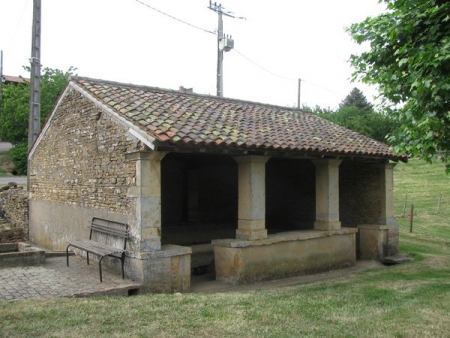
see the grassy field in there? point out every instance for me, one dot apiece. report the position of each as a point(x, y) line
point(407, 300)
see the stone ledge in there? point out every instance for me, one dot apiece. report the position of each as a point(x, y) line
point(169, 250)
point(373, 227)
point(283, 237)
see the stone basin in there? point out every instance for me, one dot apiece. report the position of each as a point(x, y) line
point(20, 254)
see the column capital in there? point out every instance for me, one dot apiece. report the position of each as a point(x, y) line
point(387, 166)
point(327, 161)
point(251, 159)
point(146, 155)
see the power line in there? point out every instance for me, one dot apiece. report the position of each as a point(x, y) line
point(284, 77)
point(326, 89)
point(18, 25)
point(264, 69)
point(174, 18)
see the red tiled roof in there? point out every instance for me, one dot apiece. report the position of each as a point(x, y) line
point(182, 119)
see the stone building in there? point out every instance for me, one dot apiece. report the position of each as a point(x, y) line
point(263, 191)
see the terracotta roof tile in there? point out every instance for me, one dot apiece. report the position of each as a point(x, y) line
point(173, 117)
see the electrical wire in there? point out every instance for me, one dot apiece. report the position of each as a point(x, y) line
point(18, 25)
point(264, 69)
point(284, 77)
point(174, 18)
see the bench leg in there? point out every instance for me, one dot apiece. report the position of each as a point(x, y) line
point(123, 272)
point(87, 256)
point(100, 268)
point(67, 255)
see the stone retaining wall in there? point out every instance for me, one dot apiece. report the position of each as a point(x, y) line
point(14, 212)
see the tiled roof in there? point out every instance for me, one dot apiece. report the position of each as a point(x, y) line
point(184, 119)
point(14, 79)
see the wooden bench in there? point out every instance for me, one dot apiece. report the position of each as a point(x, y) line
point(102, 241)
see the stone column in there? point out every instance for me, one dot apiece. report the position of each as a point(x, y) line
point(387, 217)
point(252, 197)
point(148, 199)
point(327, 195)
point(387, 194)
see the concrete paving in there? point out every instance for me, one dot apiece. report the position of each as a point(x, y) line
point(21, 180)
point(55, 279)
point(5, 146)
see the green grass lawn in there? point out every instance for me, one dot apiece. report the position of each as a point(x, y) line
point(407, 300)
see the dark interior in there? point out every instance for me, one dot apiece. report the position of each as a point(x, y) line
point(290, 195)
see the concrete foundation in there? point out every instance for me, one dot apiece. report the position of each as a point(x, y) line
point(283, 254)
point(377, 241)
point(372, 241)
point(165, 271)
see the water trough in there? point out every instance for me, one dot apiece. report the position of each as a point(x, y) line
point(20, 254)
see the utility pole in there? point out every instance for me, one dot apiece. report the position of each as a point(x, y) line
point(34, 118)
point(298, 98)
point(224, 43)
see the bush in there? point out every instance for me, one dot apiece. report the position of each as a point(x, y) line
point(19, 155)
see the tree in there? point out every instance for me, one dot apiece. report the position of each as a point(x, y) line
point(409, 60)
point(358, 114)
point(356, 99)
point(15, 108)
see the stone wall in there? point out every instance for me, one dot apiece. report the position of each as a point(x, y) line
point(14, 211)
point(81, 158)
point(282, 255)
point(359, 193)
point(80, 163)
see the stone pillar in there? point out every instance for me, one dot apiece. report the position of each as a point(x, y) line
point(327, 195)
point(387, 194)
point(252, 197)
point(148, 199)
point(387, 217)
point(372, 241)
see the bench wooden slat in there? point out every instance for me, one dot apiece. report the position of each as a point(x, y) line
point(95, 247)
point(108, 230)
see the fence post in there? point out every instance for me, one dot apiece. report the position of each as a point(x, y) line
point(404, 205)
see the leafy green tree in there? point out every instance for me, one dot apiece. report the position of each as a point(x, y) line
point(15, 107)
point(409, 60)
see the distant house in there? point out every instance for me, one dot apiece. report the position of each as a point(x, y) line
point(270, 191)
point(7, 79)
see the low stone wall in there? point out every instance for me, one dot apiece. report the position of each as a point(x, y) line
point(282, 255)
point(14, 211)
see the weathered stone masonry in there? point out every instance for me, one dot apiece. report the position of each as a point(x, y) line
point(89, 164)
point(14, 208)
point(82, 163)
